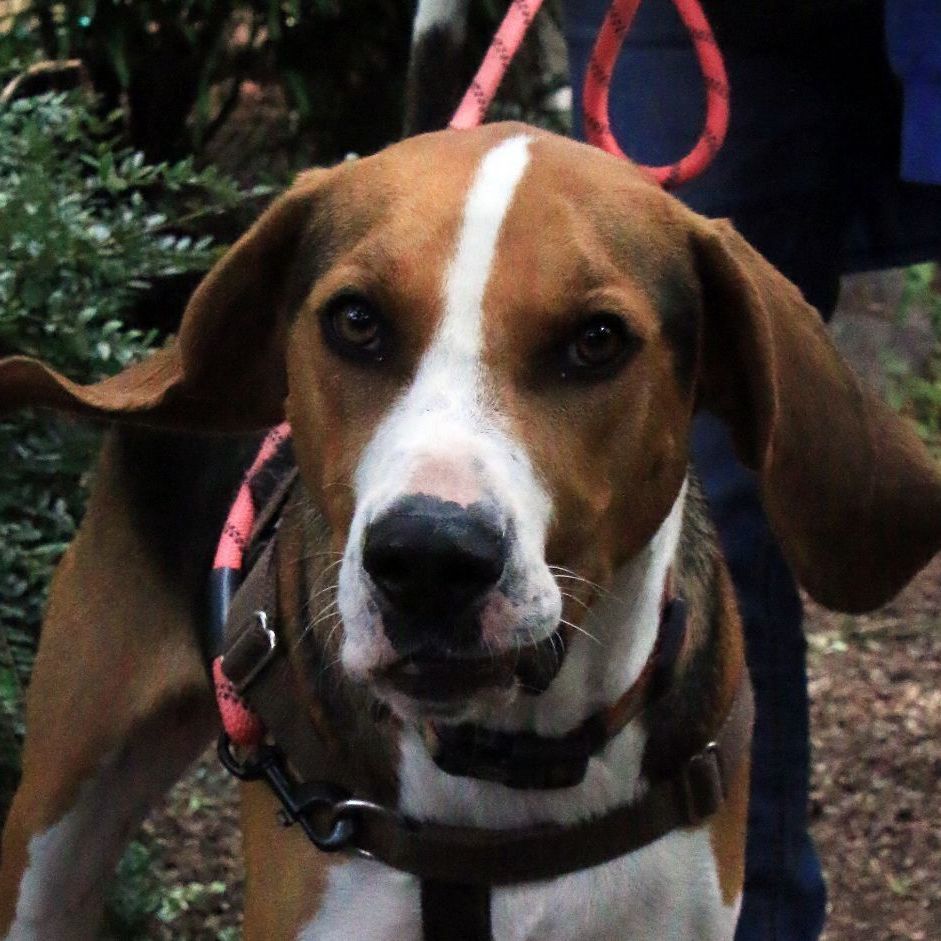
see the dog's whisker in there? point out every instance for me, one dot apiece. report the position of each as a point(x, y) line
point(562, 570)
point(322, 591)
point(339, 483)
point(325, 612)
point(600, 589)
point(571, 576)
point(329, 568)
point(309, 629)
point(332, 632)
point(581, 630)
point(327, 667)
point(577, 601)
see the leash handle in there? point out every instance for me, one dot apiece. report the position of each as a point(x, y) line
point(614, 29)
point(617, 23)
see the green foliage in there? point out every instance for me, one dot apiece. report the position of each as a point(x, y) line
point(82, 234)
point(177, 65)
point(135, 894)
point(140, 902)
point(919, 394)
point(86, 228)
point(181, 898)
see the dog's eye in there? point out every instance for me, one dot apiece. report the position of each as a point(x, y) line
point(354, 328)
point(600, 346)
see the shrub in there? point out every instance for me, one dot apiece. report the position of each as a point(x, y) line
point(918, 394)
point(87, 227)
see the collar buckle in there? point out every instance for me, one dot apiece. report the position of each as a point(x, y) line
point(250, 652)
point(702, 785)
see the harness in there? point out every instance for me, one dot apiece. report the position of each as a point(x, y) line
point(272, 734)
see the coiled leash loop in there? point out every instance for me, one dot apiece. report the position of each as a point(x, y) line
point(614, 29)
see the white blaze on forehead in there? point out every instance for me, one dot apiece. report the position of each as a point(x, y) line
point(441, 412)
point(489, 199)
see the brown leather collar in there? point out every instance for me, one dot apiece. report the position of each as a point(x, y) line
point(525, 760)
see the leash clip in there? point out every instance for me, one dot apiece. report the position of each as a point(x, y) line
point(329, 815)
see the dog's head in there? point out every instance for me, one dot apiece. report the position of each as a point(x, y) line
point(490, 345)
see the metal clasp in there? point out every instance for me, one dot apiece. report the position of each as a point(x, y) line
point(702, 785)
point(328, 814)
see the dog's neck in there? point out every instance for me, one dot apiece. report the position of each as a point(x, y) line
point(621, 631)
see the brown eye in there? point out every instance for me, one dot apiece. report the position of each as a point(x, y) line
point(354, 328)
point(598, 348)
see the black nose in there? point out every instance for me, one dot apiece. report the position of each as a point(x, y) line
point(434, 559)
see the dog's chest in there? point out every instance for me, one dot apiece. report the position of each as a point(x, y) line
point(668, 890)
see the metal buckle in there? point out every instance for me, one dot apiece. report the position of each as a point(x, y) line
point(702, 786)
point(328, 814)
point(251, 652)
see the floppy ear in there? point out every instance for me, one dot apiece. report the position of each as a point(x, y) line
point(850, 490)
point(225, 370)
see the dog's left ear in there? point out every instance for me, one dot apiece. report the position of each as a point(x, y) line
point(850, 490)
point(225, 370)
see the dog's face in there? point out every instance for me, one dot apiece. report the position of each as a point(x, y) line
point(485, 384)
point(490, 344)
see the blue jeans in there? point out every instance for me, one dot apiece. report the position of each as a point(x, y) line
point(809, 175)
point(800, 226)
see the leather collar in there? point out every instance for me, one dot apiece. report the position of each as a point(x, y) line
point(526, 760)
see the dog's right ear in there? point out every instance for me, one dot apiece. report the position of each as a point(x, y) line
point(225, 370)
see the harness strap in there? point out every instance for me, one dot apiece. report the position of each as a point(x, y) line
point(453, 912)
point(474, 856)
point(481, 857)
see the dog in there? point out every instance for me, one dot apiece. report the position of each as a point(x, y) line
point(490, 345)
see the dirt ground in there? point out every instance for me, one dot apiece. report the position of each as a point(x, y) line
point(875, 683)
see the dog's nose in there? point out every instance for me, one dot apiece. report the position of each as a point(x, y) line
point(432, 558)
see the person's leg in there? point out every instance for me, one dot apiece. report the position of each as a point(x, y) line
point(785, 897)
point(656, 105)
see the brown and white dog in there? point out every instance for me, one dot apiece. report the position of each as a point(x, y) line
point(500, 336)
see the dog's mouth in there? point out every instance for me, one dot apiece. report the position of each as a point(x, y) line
point(450, 680)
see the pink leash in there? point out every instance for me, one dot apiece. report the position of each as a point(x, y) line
point(242, 726)
point(614, 29)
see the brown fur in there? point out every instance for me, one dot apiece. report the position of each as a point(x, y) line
point(120, 667)
point(849, 489)
point(285, 876)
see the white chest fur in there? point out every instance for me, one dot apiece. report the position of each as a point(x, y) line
point(668, 891)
